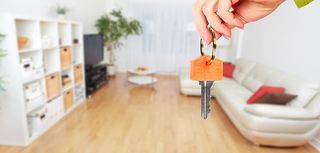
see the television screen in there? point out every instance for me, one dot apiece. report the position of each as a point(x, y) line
point(93, 48)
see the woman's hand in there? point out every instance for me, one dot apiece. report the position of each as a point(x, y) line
point(218, 15)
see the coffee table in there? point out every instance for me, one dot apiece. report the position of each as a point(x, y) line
point(139, 77)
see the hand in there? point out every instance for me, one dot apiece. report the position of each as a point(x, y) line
point(217, 14)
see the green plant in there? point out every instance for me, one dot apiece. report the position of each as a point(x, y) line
point(61, 10)
point(114, 26)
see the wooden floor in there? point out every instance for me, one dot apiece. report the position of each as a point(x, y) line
point(124, 118)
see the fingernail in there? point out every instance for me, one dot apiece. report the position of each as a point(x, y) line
point(241, 27)
point(207, 42)
point(227, 37)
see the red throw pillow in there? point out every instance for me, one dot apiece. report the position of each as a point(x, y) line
point(263, 90)
point(228, 69)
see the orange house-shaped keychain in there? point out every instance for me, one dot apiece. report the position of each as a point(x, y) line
point(204, 68)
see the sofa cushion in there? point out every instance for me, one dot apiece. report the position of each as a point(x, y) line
point(257, 77)
point(305, 90)
point(231, 86)
point(282, 112)
point(234, 95)
point(243, 67)
point(275, 120)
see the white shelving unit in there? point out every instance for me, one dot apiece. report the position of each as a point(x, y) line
point(36, 97)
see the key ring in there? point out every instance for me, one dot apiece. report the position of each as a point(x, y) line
point(214, 45)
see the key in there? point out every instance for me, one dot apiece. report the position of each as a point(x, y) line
point(206, 73)
point(206, 69)
point(205, 98)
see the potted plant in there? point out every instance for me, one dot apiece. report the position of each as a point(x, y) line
point(2, 54)
point(114, 27)
point(61, 11)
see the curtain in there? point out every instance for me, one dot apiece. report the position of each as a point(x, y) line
point(169, 39)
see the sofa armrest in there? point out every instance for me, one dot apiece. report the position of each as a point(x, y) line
point(279, 111)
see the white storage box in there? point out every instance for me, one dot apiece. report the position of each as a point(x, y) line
point(55, 108)
point(29, 70)
point(34, 103)
point(37, 120)
point(32, 90)
point(34, 96)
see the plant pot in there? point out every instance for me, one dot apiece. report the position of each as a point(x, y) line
point(61, 16)
point(111, 69)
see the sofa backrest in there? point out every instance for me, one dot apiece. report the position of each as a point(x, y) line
point(314, 104)
point(263, 75)
point(294, 85)
point(257, 77)
point(243, 67)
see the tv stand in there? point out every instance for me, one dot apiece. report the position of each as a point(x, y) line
point(96, 77)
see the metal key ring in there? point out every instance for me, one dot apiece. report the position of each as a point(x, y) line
point(214, 45)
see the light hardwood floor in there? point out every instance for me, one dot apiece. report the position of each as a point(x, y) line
point(124, 118)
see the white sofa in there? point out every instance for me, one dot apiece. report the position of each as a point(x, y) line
point(272, 125)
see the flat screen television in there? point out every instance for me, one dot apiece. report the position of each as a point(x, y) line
point(93, 48)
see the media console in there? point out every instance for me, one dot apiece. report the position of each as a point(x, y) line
point(96, 76)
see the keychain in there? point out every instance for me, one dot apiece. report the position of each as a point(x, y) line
point(206, 69)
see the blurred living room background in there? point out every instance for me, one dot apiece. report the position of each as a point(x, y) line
point(280, 50)
point(170, 39)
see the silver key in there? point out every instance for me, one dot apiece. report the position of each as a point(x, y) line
point(205, 97)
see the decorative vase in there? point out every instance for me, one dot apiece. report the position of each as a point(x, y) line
point(111, 68)
point(61, 16)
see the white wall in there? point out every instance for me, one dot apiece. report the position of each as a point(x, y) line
point(288, 40)
point(231, 52)
point(85, 11)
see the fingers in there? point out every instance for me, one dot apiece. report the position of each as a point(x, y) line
point(216, 13)
point(228, 17)
point(201, 22)
point(217, 35)
point(214, 20)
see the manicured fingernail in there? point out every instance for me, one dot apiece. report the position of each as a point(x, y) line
point(227, 37)
point(241, 27)
point(207, 42)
